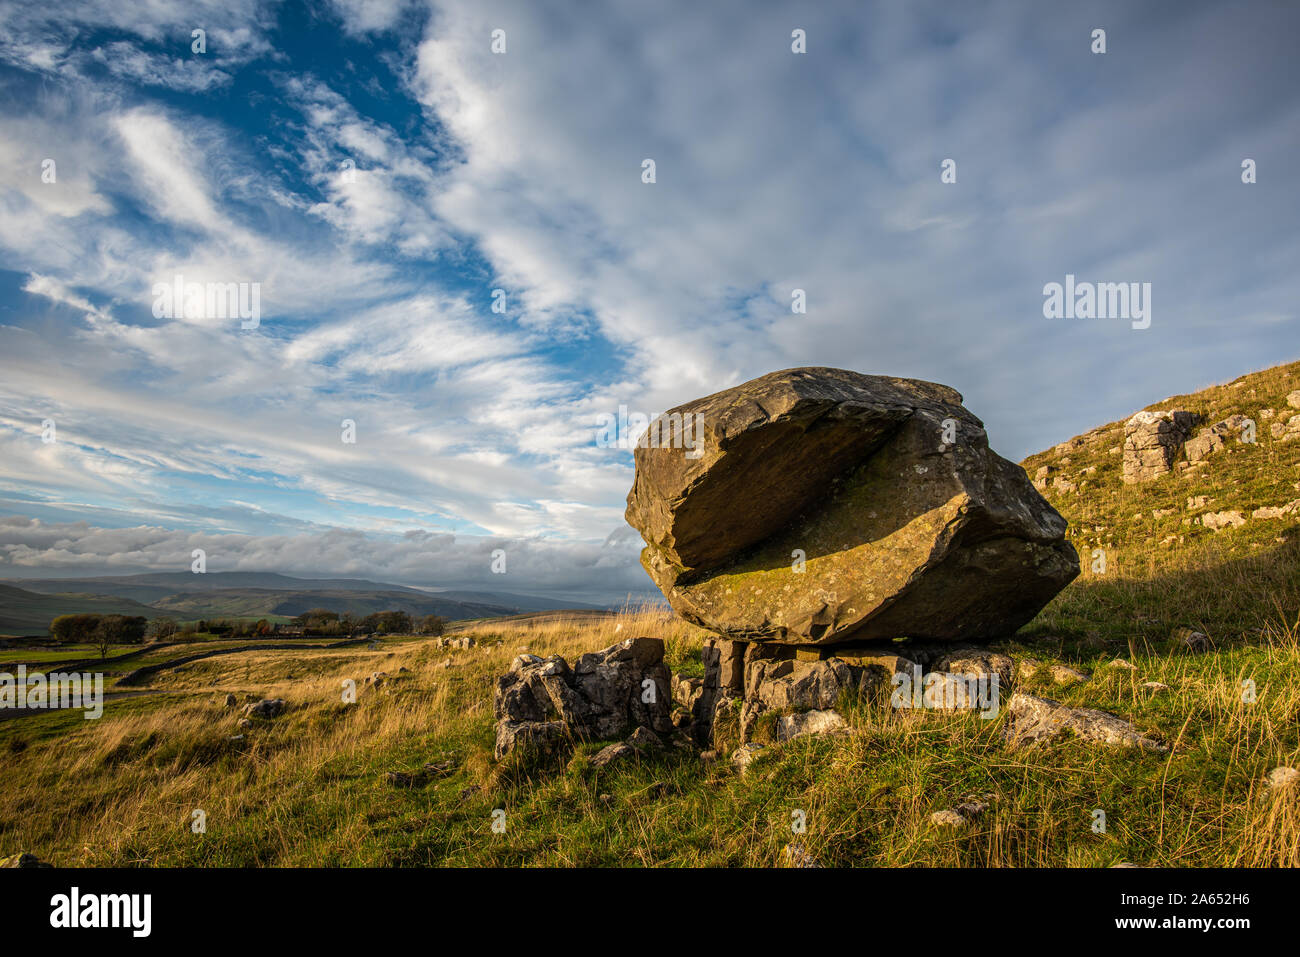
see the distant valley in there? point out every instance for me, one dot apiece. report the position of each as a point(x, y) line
point(28, 605)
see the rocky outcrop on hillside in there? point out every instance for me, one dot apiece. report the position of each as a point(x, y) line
point(1152, 441)
point(828, 506)
point(543, 704)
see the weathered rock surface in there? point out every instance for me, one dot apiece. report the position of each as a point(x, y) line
point(1226, 519)
point(1032, 719)
point(1152, 440)
point(791, 726)
point(544, 703)
point(266, 708)
point(23, 859)
point(828, 505)
point(1217, 436)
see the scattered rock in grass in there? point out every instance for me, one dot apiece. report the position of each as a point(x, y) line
point(1192, 640)
point(745, 755)
point(947, 818)
point(1155, 686)
point(1293, 399)
point(22, 859)
point(1031, 719)
point(1221, 520)
point(1123, 664)
point(266, 708)
point(1283, 777)
point(405, 779)
point(1064, 675)
point(612, 753)
point(968, 809)
point(643, 739)
point(797, 856)
point(1026, 668)
point(245, 723)
point(1127, 864)
point(1277, 511)
point(791, 726)
point(231, 701)
point(1198, 502)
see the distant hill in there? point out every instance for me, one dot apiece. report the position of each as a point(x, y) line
point(151, 587)
point(259, 602)
point(29, 613)
point(255, 594)
point(524, 603)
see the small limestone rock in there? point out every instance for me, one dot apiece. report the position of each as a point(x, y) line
point(1064, 675)
point(1123, 664)
point(1193, 640)
point(746, 755)
point(1293, 399)
point(643, 739)
point(614, 752)
point(1032, 719)
point(266, 708)
point(1225, 519)
point(1283, 777)
point(791, 726)
point(947, 818)
point(22, 859)
point(1155, 686)
point(1026, 668)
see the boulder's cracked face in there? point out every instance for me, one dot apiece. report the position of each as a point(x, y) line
point(829, 505)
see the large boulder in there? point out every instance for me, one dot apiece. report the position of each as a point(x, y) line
point(828, 505)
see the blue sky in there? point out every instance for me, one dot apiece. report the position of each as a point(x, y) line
point(376, 170)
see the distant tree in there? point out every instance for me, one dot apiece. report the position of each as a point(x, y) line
point(318, 621)
point(262, 628)
point(432, 625)
point(123, 629)
point(388, 623)
point(71, 628)
point(161, 629)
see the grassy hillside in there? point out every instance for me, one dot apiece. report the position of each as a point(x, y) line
point(28, 613)
point(313, 787)
point(252, 603)
point(1135, 523)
